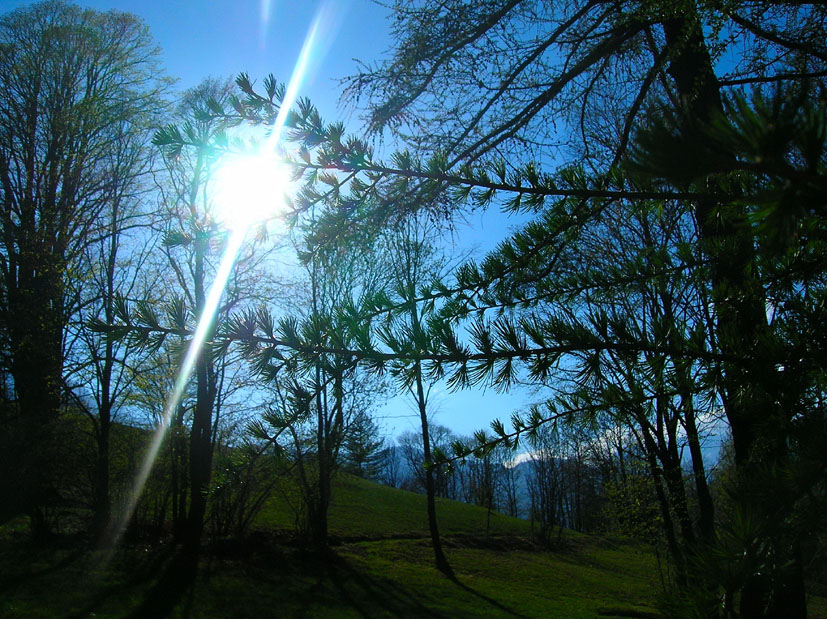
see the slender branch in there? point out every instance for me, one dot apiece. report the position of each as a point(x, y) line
point(780, 77)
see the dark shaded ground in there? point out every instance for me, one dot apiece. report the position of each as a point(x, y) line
point(263, 574)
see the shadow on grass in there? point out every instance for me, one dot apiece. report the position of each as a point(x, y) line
point(160, 598)
point(244, 580)
point(12, 581)
point(176, 583)
point(501, 607)
point(364, 593)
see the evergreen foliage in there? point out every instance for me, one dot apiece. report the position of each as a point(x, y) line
point(711, 194)
point(670, 271)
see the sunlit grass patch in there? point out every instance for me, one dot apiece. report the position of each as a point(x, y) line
point(363, 509)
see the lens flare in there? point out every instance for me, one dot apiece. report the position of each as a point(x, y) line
point(299, 74)
point(264, 18)
point(184, 373)
point(251, 202)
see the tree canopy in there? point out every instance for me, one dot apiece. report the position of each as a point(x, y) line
point(81, 90)
point(668, 160)
point(683, 139)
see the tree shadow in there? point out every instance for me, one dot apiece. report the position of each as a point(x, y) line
point(8, 581)
point(176, 582)
point(167, 582)
point(96, 568)
point(363, 592)
point(499, 606)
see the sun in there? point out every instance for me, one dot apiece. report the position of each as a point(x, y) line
point(249, 189)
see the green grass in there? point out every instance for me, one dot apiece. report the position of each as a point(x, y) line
point(363, 509)
point(382, 567)
point(386, 578)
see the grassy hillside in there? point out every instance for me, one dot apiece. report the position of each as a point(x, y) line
point(376, 579)
point(365, 510)
point(380, 566)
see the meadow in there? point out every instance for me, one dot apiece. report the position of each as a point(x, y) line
point(379, 565)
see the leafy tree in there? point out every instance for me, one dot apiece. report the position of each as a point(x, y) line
point(245, 477)
point(658, 396)
point(339, 275)
point(319, 397)
point(77, 86)
point(100, 373)
point(412, 260)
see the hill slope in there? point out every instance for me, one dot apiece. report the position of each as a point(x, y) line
point(381, 567)
point(366, 510)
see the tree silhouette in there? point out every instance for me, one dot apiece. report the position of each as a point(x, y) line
point(78, 86)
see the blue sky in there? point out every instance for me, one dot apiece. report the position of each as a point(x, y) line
point(224, 37)
point(220, 38)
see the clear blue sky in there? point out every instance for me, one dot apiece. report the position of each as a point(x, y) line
point(218, 38)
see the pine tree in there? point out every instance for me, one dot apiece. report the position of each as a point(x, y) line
point(363, 446)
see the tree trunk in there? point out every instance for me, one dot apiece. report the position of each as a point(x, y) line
point(201, 433)
point(35, 334)
point(178, 464)
point(318, 515)
point(706, 509)
point(103, 507)
point(742, 326)
point(430, 487)
point(200, 460)
point(666, 514)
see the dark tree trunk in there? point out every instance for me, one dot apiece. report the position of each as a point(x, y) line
point(706, 510)
point(200, 460)
point(742, 326)
point(672, 544)
point(178, 476)
point(319, 503)
point(201, 439)
point(430, 487)
point(35, 324)
point(318, 516)
point(103, 507)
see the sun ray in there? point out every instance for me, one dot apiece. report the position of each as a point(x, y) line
point(299, 74)
point(236, 239)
